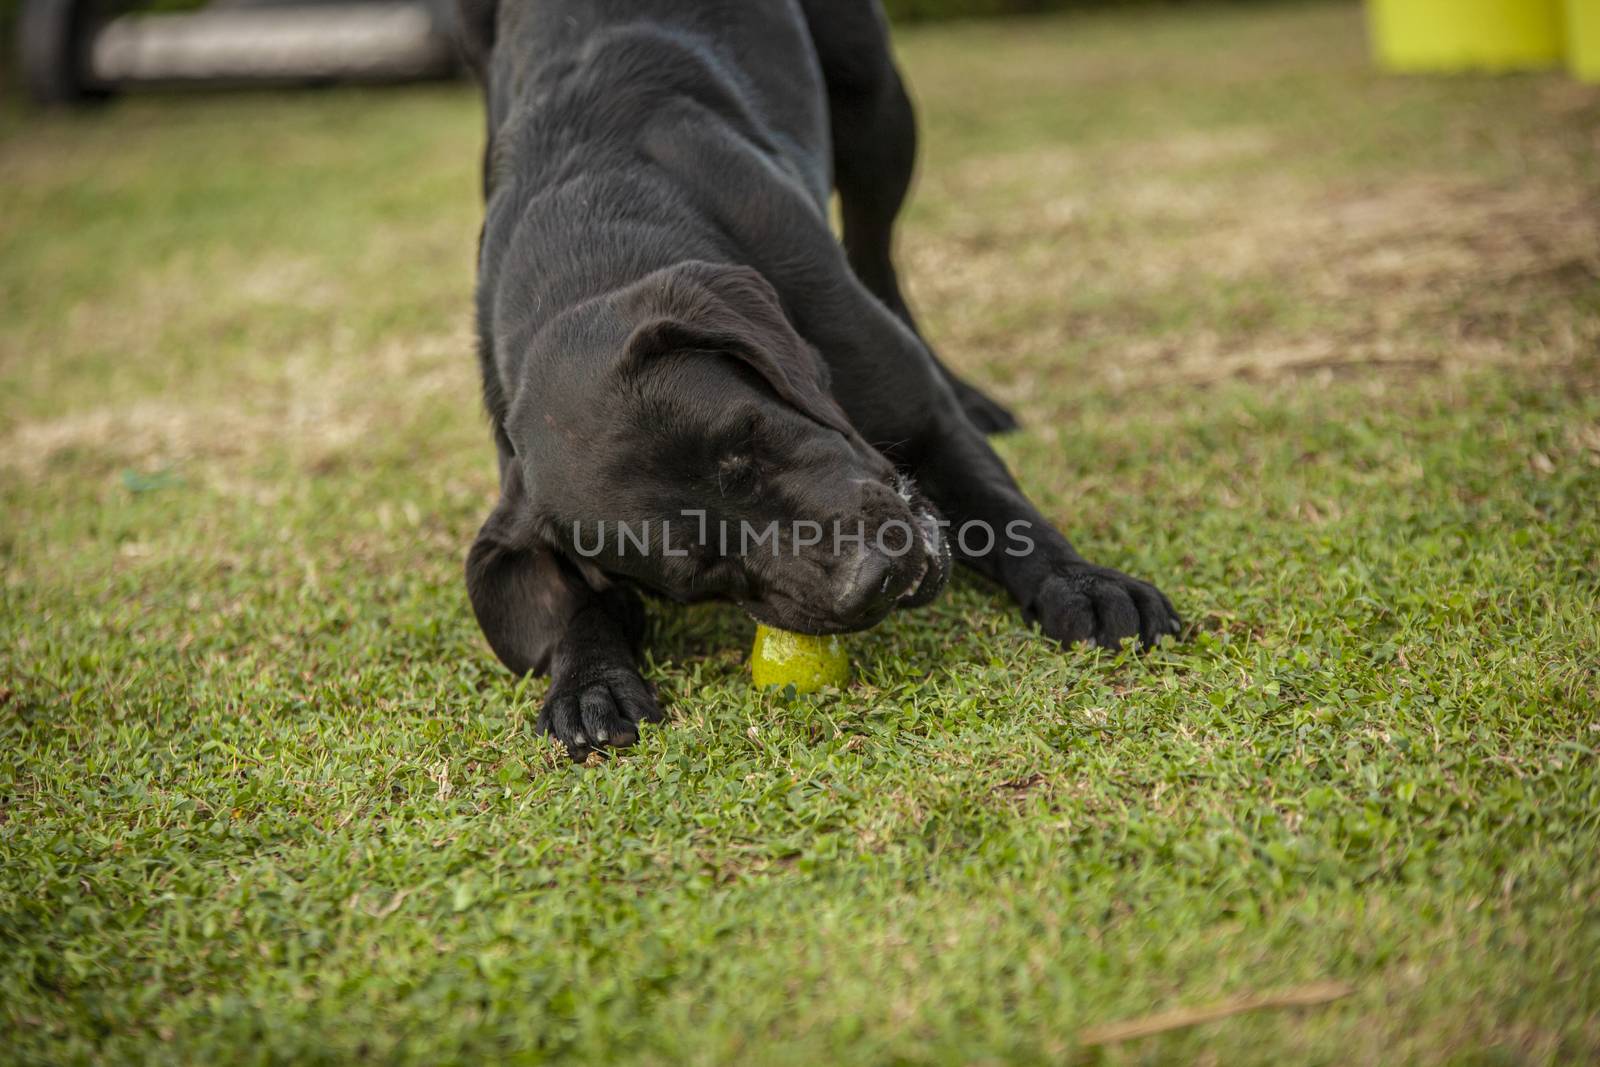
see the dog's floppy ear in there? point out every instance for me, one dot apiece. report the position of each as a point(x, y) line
point(733, 310)
point(519, 591)
point(526, 592)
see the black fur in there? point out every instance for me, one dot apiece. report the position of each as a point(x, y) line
point(667, 325)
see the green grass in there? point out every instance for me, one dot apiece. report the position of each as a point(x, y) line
point(1314, 348)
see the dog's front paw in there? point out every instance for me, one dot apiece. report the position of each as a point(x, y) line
point(1085, 603)
point(588, 708)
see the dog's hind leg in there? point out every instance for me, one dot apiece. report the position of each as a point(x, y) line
point(541, 616)
point(874, 131)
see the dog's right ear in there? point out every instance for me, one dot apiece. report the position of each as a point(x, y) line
point(520, 592)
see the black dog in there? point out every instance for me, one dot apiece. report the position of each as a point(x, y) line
point(673, 344)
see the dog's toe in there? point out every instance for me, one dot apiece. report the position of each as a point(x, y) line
point(604, 723)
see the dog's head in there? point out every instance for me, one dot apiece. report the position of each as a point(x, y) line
point(684, 437)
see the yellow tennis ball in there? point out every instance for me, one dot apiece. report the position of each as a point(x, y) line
point(808, 663)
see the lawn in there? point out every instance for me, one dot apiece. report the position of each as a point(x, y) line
point(1316, 349)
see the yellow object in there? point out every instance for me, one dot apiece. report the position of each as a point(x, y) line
point(808, 663)
point(1443, 35)
point(1583, 39)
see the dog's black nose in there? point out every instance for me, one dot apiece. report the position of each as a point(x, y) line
point(870, 587)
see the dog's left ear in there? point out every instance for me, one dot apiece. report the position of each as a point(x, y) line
point(734, 310)
point(514, 583)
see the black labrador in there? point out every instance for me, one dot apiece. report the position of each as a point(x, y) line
point(679, 358)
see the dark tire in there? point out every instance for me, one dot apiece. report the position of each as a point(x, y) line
point(53, 42)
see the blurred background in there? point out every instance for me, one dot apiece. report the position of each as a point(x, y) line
point(70, 50)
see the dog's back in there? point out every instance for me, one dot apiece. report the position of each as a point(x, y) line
point(595, 75)
point(607, 121)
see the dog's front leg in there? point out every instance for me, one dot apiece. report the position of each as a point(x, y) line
point(541, 616)
point(998, 532)
point(597, 697)
point(887, 383)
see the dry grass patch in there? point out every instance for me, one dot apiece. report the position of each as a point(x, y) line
point(313, 407)
point(1262, 279)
